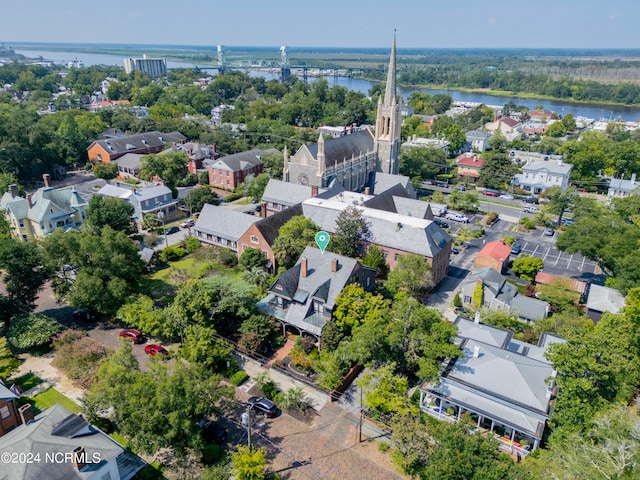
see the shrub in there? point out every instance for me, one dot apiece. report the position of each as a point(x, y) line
point(192, 244)
point(212, 454)
point(78, 357)
point(457, 301)
point(294, 399)
point(492, 217)
point(383, 447)
point(239, 378)
point(299, 358)
point(527, 223)
point(509, 240)
point(270, 389)
point(172, 253)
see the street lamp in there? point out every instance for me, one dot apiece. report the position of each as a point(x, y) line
point(161, 218)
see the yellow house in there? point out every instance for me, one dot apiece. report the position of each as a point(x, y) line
point(41, 213)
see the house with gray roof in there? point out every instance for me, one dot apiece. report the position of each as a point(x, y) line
point(303, 297)
point(498, 294)
point(381, 182)
point(129, 165)
point(537, 176)
point(39, 214)
point(156, 200)
point(280, 195)
point(504, 385)
point(108, 149)
point(477, 140)
point(603, 299)
point(620, 188)
point(395, 233)
point(68, 448)
point(222, 227)
point(231, 170)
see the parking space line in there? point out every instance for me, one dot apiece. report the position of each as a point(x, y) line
point(570, 258)
point(557, 259)
point(534, 251)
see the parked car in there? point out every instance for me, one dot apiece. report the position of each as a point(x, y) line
point(506, 196)
point(213, 433)
point(130, 334)
point(154, 350)
point(567, 221)
point(171, 230)
point(461, 188)
point(85, 314)
point(530, 209)
point(531, 200)
point(549, 232)
point(516, 248)
point(440, 223)
point(189, 223)
point(457, 217)
point(264, 406)
point(455, 250)
point(490, 193)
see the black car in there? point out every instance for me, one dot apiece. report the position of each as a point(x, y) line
point(85, 314)
point(530, 200)
point(455, 250)
point(264, 406)
point(171, 230)
point(440, 223)
point(213, 433)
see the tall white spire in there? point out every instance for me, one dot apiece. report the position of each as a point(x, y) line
point(390, 90)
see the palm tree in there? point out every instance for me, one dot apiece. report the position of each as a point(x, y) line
point(295, 399)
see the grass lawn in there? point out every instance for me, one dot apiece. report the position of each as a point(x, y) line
point(50, 397)
point(26, 381)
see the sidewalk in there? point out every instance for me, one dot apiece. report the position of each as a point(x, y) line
point(51, 376)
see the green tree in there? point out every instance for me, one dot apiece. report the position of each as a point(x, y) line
point(140, 407)
point(8, 363)
point(354, 306)
point(352, 232)
point(420, 163)
point(249, 464)
point(386, 392)
point(25, 273)
point(201, 346)
point(463, 201)
point(527, 267)
point(497, 171)
point(251, 258)
point(375, 259)
point(293, 238)
point(456, 137)
point(257, 185)
point(556, 130)
point(560, 200)
point(106, 171)
point(410, 444)
point(257, 332)
point(498, 141)
point(114, 212)
point(412, 275)
point(140, 312)
point(569, 122)
point(31, 330)
point(170, 167)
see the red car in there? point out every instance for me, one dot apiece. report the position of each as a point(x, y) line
point(489, 193)
point(130, 334)
point(154, 350)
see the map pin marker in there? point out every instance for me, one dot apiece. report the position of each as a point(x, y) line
point(322, 239)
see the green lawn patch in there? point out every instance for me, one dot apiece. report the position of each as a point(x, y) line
point(50, 397)
point(26, 381)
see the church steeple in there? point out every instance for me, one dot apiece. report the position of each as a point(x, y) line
point(389, 121)
point(390, 90)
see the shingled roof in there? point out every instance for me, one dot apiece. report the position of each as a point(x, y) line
point(345, 147)
point(270, 227)
point(122, 145)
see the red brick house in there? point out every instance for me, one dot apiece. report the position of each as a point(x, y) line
point(494, 255)
point(229, 171)
point(9, 417)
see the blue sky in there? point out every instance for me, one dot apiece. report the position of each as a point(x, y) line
point(331, 23)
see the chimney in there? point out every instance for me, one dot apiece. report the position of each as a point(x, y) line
point(263, 209)
point(79, 458)
point(334, 265)
point(367, 190)
point(476, 351)
point(13, 190)
point(476, 319)
point(304, 267)
point(47, 179)
point(26, 413)
point(314, 190)
point(29, 200)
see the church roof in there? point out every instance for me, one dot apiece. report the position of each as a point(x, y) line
point(345, 147)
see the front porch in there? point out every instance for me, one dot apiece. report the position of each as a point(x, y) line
point(510, 439)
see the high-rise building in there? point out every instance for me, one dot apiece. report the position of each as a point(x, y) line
point(154, 67)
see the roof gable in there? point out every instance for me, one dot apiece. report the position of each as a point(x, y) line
point(345, 147)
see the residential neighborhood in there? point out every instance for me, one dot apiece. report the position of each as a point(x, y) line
point(207, 273)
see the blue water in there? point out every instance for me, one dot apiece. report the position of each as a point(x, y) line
point(363, 86)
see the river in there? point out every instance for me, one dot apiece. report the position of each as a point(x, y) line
point(577, 109)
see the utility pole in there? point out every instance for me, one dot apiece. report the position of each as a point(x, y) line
point(161, 218)
point(361, 418)
point(246, 420)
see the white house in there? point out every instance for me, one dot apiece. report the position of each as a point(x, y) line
point(536, 177)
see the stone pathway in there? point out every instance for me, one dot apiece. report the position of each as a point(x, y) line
point(282, 353)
